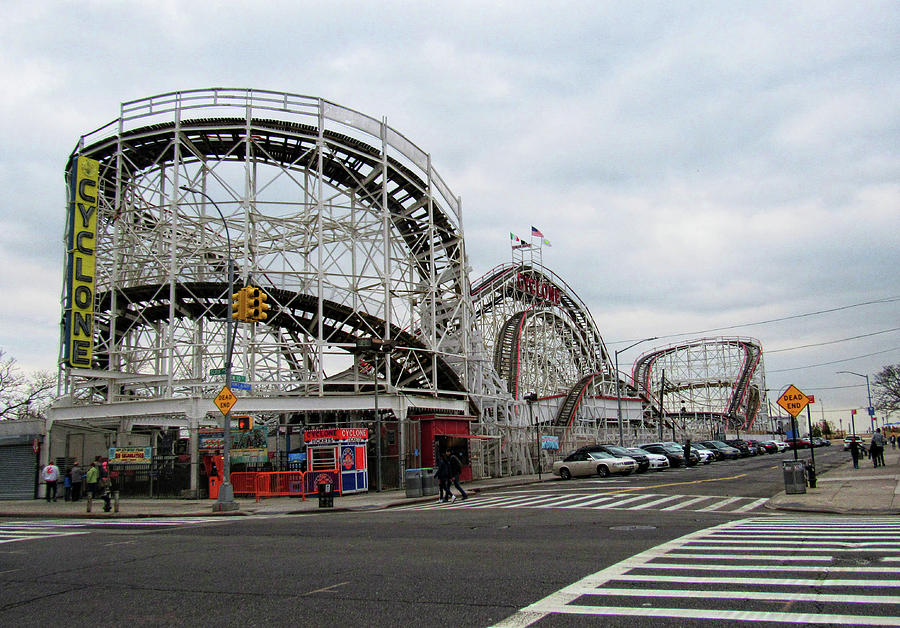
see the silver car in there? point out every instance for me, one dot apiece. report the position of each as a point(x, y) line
point(583, 463)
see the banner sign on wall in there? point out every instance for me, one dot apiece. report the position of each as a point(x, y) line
point(81, 247)
point(130, 455)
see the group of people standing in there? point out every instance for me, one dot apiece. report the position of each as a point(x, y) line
point(96, 478)
point(449, 468)
point(875, 451)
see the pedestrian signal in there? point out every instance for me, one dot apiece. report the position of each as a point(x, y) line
point(244, 423)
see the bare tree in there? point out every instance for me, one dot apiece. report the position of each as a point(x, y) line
point(887, 389)
point(23, 396)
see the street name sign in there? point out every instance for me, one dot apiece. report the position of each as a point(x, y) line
point(225, 400)
point(216, 371)
point(793, 401)
point(241, 386)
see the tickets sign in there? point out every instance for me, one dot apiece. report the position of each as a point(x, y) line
point(335, 435)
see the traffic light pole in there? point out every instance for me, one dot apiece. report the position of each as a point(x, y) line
point(225, 500)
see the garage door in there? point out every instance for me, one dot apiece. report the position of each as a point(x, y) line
point(16, 472)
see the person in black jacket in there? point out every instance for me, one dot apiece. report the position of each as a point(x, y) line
point(455, 471)
point(442, 473)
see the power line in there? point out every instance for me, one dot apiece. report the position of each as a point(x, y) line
point(831, 342)
point(797, 368)
point(771, 320)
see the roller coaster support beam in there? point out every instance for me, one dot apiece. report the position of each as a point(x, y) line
point(619, 389)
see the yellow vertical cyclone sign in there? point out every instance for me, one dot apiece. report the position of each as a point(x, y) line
point(80, 263)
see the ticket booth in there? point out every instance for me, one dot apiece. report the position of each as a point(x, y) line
point(339, 448)
point(446, 432)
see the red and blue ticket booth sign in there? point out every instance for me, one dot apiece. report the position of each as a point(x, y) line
point(342, 448)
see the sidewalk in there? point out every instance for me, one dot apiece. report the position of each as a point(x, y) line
point(845, 490)
point(841, 489)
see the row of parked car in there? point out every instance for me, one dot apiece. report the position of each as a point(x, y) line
point(608, 459)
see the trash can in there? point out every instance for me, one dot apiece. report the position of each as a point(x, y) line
point(413, 481)
point(794, 476)
point(429, 482)
point(326, 496)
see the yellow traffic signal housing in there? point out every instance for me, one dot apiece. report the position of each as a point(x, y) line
point(239, 305)
point(257, 308)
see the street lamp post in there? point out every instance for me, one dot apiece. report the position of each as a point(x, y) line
point(618, 390)
point(364, 345)
point(868, 392)
point(531, 398)
point(225, 500)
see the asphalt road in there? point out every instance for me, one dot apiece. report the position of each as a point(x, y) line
point(458, 565)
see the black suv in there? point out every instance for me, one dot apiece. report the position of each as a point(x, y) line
point(642, 461)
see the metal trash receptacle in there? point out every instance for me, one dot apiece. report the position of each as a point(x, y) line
point(413, 481)
point(794, 476)
point(429, 482)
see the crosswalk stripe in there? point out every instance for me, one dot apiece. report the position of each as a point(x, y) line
point(600, 501)
point(771, 575)
point(719, 504)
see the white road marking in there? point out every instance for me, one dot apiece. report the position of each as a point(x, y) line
point(652, 566)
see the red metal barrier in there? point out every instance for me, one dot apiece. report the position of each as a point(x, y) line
point(244, 482)
point(274, 483)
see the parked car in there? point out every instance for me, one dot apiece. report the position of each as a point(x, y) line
point(658, 462)
point(742, 447)
point(763, 447)
point(779, 444)
point(706, 456)
point(672, 451)
point(584, 463)
point(847, 441)
point(722, 449)
point(798, 443)
point(818, 441)
point(641, 459)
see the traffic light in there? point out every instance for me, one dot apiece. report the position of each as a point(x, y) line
point(239, 305)
point(244, 423)
point(257, 308)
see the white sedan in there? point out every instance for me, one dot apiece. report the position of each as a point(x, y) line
point(657, 461)
point(782, 446)
point(706, 456)
point(583, 463)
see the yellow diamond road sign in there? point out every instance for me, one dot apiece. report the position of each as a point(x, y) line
point(225, 400)
point(793, 400)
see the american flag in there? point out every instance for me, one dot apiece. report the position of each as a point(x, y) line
point(535, 232)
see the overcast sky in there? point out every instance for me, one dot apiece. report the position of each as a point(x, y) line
point(698, 166)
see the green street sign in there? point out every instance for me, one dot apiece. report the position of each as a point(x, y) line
point(238, 378)
point(216, 371)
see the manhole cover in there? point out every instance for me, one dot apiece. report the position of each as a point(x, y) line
point(633, 528)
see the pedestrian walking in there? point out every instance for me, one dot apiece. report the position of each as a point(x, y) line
point(455, 471)
point(443, 473)
point(75, 476)
point(854, 453)
point(893, 441)
point(877, 448)
point(50, 475)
